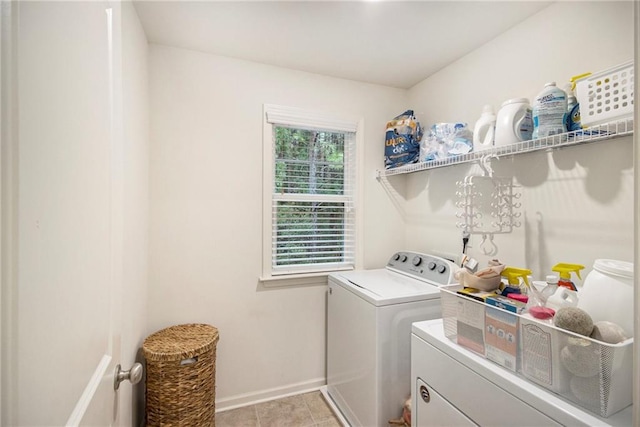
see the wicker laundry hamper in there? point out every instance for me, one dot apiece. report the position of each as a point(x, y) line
point(181, 376)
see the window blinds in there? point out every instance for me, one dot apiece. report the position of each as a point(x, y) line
point(313, 212)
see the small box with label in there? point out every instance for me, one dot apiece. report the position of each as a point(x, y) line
point(501, 337)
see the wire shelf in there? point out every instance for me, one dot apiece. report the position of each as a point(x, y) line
point(602, 132)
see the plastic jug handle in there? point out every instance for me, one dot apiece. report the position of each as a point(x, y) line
point(482, 130)
point(516, 125)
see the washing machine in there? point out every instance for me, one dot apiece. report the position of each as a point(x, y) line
point(453, 386)
point(369, 318)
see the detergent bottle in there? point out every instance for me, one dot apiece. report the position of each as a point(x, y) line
point(517, 280)
point(484, 130)
point(565, 270)
point(572, 119)
point(549, 112)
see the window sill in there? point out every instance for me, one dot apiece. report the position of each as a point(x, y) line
point(293, 280)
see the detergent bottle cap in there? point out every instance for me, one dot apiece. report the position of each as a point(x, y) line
point(513, 275)
point(487, 110)
point(551, 279)
point(550, 84)
point(565, 270)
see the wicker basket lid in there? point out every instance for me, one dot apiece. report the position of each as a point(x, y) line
point(180, 342)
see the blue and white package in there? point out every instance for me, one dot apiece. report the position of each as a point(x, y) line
point(402, 140)
point(446, 140)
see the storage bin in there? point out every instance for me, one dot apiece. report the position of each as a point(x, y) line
point(181, 374)
point(606, 96)
point(592, 374)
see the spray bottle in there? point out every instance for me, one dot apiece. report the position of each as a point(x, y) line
point(565, 271)
point(517, 279)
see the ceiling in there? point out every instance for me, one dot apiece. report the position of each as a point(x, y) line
point(392, 43)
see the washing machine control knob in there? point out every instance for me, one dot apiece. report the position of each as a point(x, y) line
point(416, 260)
point(442, 269)
point(404, 258)
point(396, 257)
point(432, 265)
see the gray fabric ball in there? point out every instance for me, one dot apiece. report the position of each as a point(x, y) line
point(581, 360)
point(574, 319)
point(608, 332)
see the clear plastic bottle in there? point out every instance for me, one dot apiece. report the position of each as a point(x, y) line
point(551, 288)
point(549, 111)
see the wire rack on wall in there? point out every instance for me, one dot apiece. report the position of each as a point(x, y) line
point(602, 132)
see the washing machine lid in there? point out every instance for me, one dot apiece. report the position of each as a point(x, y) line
point(383, 287)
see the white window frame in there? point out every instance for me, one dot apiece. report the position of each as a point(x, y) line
point(274, 115)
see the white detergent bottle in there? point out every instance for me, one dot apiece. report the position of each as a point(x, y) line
point(485, 129)
point(607, 293)
point(549, 111)
point(563, 297)
point(514, 123)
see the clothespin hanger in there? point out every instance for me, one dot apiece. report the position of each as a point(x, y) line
point(492, 248)
point(485, 166)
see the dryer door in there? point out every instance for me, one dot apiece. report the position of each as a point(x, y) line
point(434, 410)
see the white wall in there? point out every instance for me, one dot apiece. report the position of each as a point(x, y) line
point(577, 202)
point(136, 204)
point(205, 214)
point(61, 183)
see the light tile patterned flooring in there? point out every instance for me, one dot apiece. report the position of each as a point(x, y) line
point(303, 410)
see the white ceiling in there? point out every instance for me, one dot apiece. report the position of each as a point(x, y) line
point(392, 43)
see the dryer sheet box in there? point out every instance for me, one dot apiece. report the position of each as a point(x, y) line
point(501, 337)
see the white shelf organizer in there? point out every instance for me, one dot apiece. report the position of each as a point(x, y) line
point(597, 133)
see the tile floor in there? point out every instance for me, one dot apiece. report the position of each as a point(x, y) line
point(303, 410)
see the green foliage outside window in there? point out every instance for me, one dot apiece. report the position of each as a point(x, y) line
point(309, 167)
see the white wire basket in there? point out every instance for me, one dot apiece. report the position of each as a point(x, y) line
point(606, 96)
point(594, 375)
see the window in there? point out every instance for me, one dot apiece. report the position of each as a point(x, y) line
point(309, 197)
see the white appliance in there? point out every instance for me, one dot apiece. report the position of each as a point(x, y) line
point(370, 313)
point(455, 387)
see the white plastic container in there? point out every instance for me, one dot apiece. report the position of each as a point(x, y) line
point(607, 95)
point(485, 130)
point(514, 123)
point(549, 111)
point(562, 297)
point(607, 293)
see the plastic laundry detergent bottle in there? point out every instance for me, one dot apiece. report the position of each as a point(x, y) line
point(549, 111)
point(565, 270)
point(485, 129)
point(563, 297)
point(514, 123)
point(572, 119)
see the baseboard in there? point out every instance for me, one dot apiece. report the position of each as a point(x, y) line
point(334, 407)
point(252, 398)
